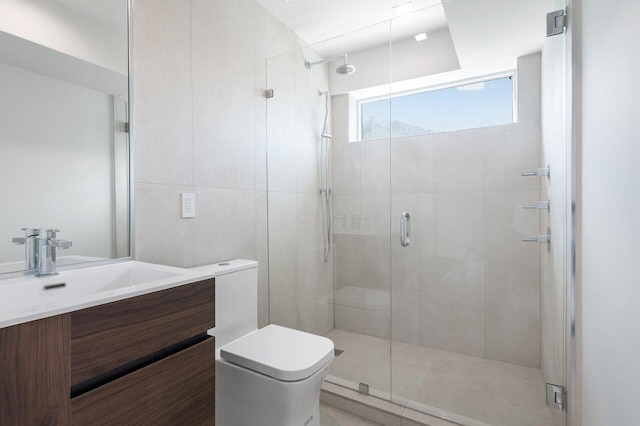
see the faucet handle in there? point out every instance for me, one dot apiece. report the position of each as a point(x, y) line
point(60, 244)
point(46, 233)
point(28, 233)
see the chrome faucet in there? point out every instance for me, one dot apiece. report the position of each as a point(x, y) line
point(47, 244)
point(31, 247)
point(40, 251)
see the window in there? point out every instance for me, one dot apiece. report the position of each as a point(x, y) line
point(472, 105)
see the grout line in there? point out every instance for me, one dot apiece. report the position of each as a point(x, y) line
point(193, 236)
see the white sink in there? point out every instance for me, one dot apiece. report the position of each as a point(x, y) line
point(30, 298)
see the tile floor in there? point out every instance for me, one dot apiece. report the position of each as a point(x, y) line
point(481, 390)
point(331, 416)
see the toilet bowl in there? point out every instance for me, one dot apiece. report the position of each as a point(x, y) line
point(267, 377)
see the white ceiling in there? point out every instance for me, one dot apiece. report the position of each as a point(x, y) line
point(319, 20)
point(111, 13)
point(496, 30)
point(488, 34)
point(427, 20)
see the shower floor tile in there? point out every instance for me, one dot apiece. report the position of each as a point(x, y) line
point(487, 391)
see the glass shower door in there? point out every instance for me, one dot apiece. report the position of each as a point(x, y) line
point(477, 326)
point(342, 293)
point(361, 208)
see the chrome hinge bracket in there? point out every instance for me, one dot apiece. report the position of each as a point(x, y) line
point(363, 388)
point(556, 22)
point(556, 396)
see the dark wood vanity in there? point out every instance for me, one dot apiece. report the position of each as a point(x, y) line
point(143, 360)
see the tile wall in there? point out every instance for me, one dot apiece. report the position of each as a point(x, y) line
point(466, 283)
point(301, 290)
point(200, 121)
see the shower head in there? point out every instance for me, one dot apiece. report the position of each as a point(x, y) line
point(343, 69)
point(346, 69)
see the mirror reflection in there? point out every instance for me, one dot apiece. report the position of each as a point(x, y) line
point(64, 168)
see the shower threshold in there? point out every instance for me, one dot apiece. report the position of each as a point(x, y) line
point(379, 410)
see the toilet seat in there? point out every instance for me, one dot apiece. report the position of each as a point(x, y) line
point(279, 352)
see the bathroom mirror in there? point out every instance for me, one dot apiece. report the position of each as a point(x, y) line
point(64, 127)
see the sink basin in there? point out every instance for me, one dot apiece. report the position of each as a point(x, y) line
point(29, 298)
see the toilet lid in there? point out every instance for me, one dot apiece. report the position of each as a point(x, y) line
point(279, 352)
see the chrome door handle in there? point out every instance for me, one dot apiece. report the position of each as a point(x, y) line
point(405, 229)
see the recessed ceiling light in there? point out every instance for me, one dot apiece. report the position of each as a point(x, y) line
point(421, 36)
point(403, 9)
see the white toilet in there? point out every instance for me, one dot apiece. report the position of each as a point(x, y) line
point(266, 377)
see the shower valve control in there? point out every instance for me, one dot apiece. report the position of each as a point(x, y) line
point(542, 239)
point(545, 171)
point(542, 205)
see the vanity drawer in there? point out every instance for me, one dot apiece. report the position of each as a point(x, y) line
point(176, 390)
point(108, 336)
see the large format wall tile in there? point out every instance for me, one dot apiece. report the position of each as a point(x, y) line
point(272, 38)
point(281, 141)
point(406, 269)
point(459, 218)
point(377, 167)
point(377, 242)
point(227, 215)
point(452, 305)
point(315, 290)
point(348, 168)
point(224, 34)
point(512, 149)
point(283, 253)
point(163, 114)
point(405, 165)
point(512, 278)
point(262, 255)
point(204, 125)
point(260, 119)
point(457, 161)
point(161, 235)
point(224, 140)
point(309, 223)
point(348, 229)
point(223, 94)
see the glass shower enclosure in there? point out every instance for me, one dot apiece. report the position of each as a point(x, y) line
point(403, 242)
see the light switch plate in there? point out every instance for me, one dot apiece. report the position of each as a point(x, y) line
point(188, 204)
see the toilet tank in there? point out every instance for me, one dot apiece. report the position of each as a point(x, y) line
point(236, 299)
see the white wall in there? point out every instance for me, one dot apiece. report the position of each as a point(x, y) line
point(57, 163)
point(61, 29)
point(609, 200)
